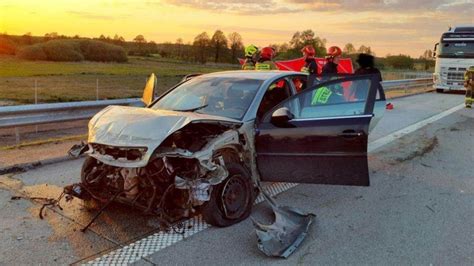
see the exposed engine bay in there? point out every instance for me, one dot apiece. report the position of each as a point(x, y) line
point(178, 178)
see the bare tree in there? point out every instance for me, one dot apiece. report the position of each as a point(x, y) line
point(236, 45)
point(201, 44)
point(179, 47)
point(218, 43)
point(306, 37)
point(365, 50)
point(118, 39)
point(349, 49)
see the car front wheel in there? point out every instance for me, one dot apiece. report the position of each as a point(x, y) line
point(89, 172)
point(231, 201)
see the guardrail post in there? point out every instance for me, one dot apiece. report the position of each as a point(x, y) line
point(36, 100)
point(97, 89)
point(17, 135)
point(36, 91)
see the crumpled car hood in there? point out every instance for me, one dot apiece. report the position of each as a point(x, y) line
point(124, 126)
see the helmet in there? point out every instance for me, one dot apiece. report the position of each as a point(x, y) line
point(334, 51)
point(251, 50)
point(308, 50)
point(267, 53)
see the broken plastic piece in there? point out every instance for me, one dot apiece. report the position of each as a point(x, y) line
point(285, 235)
point(77, 190)
point(78, 149)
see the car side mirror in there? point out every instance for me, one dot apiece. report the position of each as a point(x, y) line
point(150, 91)
point(435, 49)
point(281, 117)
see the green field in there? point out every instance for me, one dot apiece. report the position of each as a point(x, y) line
point(77, 81)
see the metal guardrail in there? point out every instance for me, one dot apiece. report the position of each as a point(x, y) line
point(36, 114)
point(405, 84)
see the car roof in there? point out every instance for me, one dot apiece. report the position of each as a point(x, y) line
point(252, 74)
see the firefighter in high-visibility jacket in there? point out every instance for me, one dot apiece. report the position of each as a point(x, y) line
point(266, 59)
point(469, 85)
point(310, 65)
point(251, 54)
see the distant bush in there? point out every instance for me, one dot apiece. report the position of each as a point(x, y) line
point(7, 46)
point(74, 50)
point(103, 52)
point(400, 61)
point(32, 52)
point(61, 50)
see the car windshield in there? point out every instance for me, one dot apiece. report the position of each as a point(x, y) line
point(459, 49)
point(221, 96)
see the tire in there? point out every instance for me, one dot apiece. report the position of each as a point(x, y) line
point(232, 200)
point(87, 167)
point(91, 204)
point(439, 90)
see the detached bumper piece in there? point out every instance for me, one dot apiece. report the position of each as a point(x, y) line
point(285, 235)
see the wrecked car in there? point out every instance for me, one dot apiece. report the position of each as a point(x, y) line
point(205, 145)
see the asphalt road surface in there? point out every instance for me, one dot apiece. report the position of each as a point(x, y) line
point(419, 208)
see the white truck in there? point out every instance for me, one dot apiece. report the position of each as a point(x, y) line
point(454, 55)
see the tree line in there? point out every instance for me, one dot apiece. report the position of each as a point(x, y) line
point(217, 48)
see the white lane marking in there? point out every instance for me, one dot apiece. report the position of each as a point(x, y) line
point(158, 241)
point(374, 145)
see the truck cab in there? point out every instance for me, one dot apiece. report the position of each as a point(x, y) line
point(454, 55)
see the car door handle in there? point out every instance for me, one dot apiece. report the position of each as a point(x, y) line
point(350, 133)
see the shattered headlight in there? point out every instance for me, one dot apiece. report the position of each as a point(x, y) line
point(128, 153)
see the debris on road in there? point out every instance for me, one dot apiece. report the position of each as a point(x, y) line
point(286, 234)
point(45, 202)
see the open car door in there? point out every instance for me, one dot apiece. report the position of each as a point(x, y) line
point(320, 135)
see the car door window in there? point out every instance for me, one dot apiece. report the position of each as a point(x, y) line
point(277, 92)
point(299, 82)
point(337, 98)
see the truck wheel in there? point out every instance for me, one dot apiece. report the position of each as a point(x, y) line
point(231, 201)
point(439, 90)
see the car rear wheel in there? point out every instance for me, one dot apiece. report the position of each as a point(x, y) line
point(439, 90)
point(231, 201)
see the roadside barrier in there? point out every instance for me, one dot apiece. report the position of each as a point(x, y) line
point(36, 114)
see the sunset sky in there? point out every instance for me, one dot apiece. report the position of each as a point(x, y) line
point(388, 26)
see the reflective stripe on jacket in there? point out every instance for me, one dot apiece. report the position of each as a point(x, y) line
point(321, 96)
point(469, 78)
point(248, 66)
point(266, 65)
